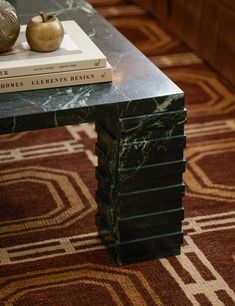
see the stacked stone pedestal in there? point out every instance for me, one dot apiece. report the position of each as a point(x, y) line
point(140, 188)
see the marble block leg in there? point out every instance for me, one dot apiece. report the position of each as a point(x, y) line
point(140, 188)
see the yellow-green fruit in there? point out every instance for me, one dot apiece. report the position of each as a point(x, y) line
point(9, 26)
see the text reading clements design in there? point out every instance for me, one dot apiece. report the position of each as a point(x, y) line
point(64, 79)
point(50, 81)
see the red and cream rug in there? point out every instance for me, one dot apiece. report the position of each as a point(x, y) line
point(49, 251)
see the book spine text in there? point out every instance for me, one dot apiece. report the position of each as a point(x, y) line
point(52, 68)
point(53, 80)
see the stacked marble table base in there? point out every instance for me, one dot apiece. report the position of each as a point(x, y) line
point(140, 188)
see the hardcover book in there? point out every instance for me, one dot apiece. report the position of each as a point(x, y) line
point(76, 52)
point(57, 79)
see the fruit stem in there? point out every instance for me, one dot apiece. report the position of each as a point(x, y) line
point(43, 16)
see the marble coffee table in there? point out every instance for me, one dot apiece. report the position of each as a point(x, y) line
point(140, 125)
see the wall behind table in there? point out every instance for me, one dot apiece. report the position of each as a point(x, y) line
point(206, 26)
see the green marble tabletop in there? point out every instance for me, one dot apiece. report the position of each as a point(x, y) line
point(138, 86)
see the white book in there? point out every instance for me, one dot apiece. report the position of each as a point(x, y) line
point(56, 79)
point(77, 51)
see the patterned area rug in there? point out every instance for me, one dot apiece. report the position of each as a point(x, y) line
point(49, 251)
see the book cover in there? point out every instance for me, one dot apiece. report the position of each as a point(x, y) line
point(77, 51)
point(56, 79)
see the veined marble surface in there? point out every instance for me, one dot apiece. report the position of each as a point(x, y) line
point(135, 81)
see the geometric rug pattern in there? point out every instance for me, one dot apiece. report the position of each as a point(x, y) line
point(49, 250)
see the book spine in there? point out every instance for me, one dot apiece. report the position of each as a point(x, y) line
point(52, 68)
point(54, 80)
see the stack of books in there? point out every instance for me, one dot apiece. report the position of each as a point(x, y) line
point(77, 61)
